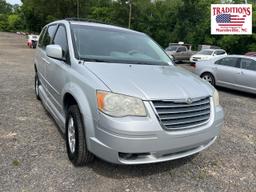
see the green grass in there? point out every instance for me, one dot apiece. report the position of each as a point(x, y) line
point(16, 162)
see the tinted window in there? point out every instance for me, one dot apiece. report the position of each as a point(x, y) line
point(248, 64)
point(172, 48)
point(182, 49)
point(205, 52)
point(229, 61)
point(220, 52)
point(40, 41)
point(61, 39)
point(48, 36)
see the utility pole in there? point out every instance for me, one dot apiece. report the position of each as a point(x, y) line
point(77, 8)
point(130, 13)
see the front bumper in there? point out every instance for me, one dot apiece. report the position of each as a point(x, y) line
point(137, 140)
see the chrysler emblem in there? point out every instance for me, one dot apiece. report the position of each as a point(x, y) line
point(189, 101)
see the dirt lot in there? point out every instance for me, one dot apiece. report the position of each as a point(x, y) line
point(33, 155)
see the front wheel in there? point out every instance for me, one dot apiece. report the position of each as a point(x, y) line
point(209, 78)
point(77, 150)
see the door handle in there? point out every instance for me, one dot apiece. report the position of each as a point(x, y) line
point(46, 61)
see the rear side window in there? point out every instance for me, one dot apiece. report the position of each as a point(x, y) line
point(48, 36)
point(248, 64)
point(229, 62)
point(181, 49)
point(61, 39)
point(220, 52)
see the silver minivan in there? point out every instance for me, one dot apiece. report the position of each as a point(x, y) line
point(115, 94)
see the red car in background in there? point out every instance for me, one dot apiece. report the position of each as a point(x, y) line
point(252, 54)
point(32, 41)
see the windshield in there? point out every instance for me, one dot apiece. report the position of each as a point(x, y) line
point(205, 52)
point(173, 48)
point(114, 45)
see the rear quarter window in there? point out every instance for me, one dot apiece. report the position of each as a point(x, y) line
point(248, 64)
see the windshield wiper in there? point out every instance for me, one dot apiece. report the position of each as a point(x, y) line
point(148, 63)
point(95, 60)
point(124, 61)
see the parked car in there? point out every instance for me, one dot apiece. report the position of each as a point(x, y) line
point(179, 52)
point(252, 54)
point(233, 71)
point(207, 54)
point(115, 94)
point(32, 41)
point(202, 47)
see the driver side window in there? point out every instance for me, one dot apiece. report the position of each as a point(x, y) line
point(61, 40)
point(48, 36)
point(181, 49)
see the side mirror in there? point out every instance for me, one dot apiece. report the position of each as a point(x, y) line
point(54, 51)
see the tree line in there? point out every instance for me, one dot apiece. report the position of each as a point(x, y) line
point(164, 20)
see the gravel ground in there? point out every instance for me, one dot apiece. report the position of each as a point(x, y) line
point(33, 155)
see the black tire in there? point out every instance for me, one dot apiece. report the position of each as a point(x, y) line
point(37, 83)
point(80, 155)
point(209, 78)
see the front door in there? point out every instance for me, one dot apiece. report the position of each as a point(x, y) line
point(57, 70)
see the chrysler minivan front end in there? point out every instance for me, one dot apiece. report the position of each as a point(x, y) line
point(154, 130)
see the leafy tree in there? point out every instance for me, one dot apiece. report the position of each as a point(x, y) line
point(14, 22)
point(5, 8)
point(164, 20)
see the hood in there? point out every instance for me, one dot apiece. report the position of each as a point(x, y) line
point(150, 82)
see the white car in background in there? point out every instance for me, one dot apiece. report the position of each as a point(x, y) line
point(32, 40)
point(207, 54)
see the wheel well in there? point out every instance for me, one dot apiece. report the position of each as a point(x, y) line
point(68, 101)
point(206, 73)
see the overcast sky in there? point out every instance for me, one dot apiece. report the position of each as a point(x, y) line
point(13, 1)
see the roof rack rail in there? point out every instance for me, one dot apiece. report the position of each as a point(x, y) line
point(92, 21)
point(84, 19)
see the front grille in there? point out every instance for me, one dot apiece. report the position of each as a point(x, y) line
point(181, 115)
point(195, 58)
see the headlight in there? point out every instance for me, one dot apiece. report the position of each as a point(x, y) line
point(118, 105)
point(216, 98)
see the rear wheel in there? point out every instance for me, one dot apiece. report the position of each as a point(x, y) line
point(77, 150)
point(209, 78)
point(37, 83)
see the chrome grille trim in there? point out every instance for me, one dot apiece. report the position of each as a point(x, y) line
point(178, 115)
